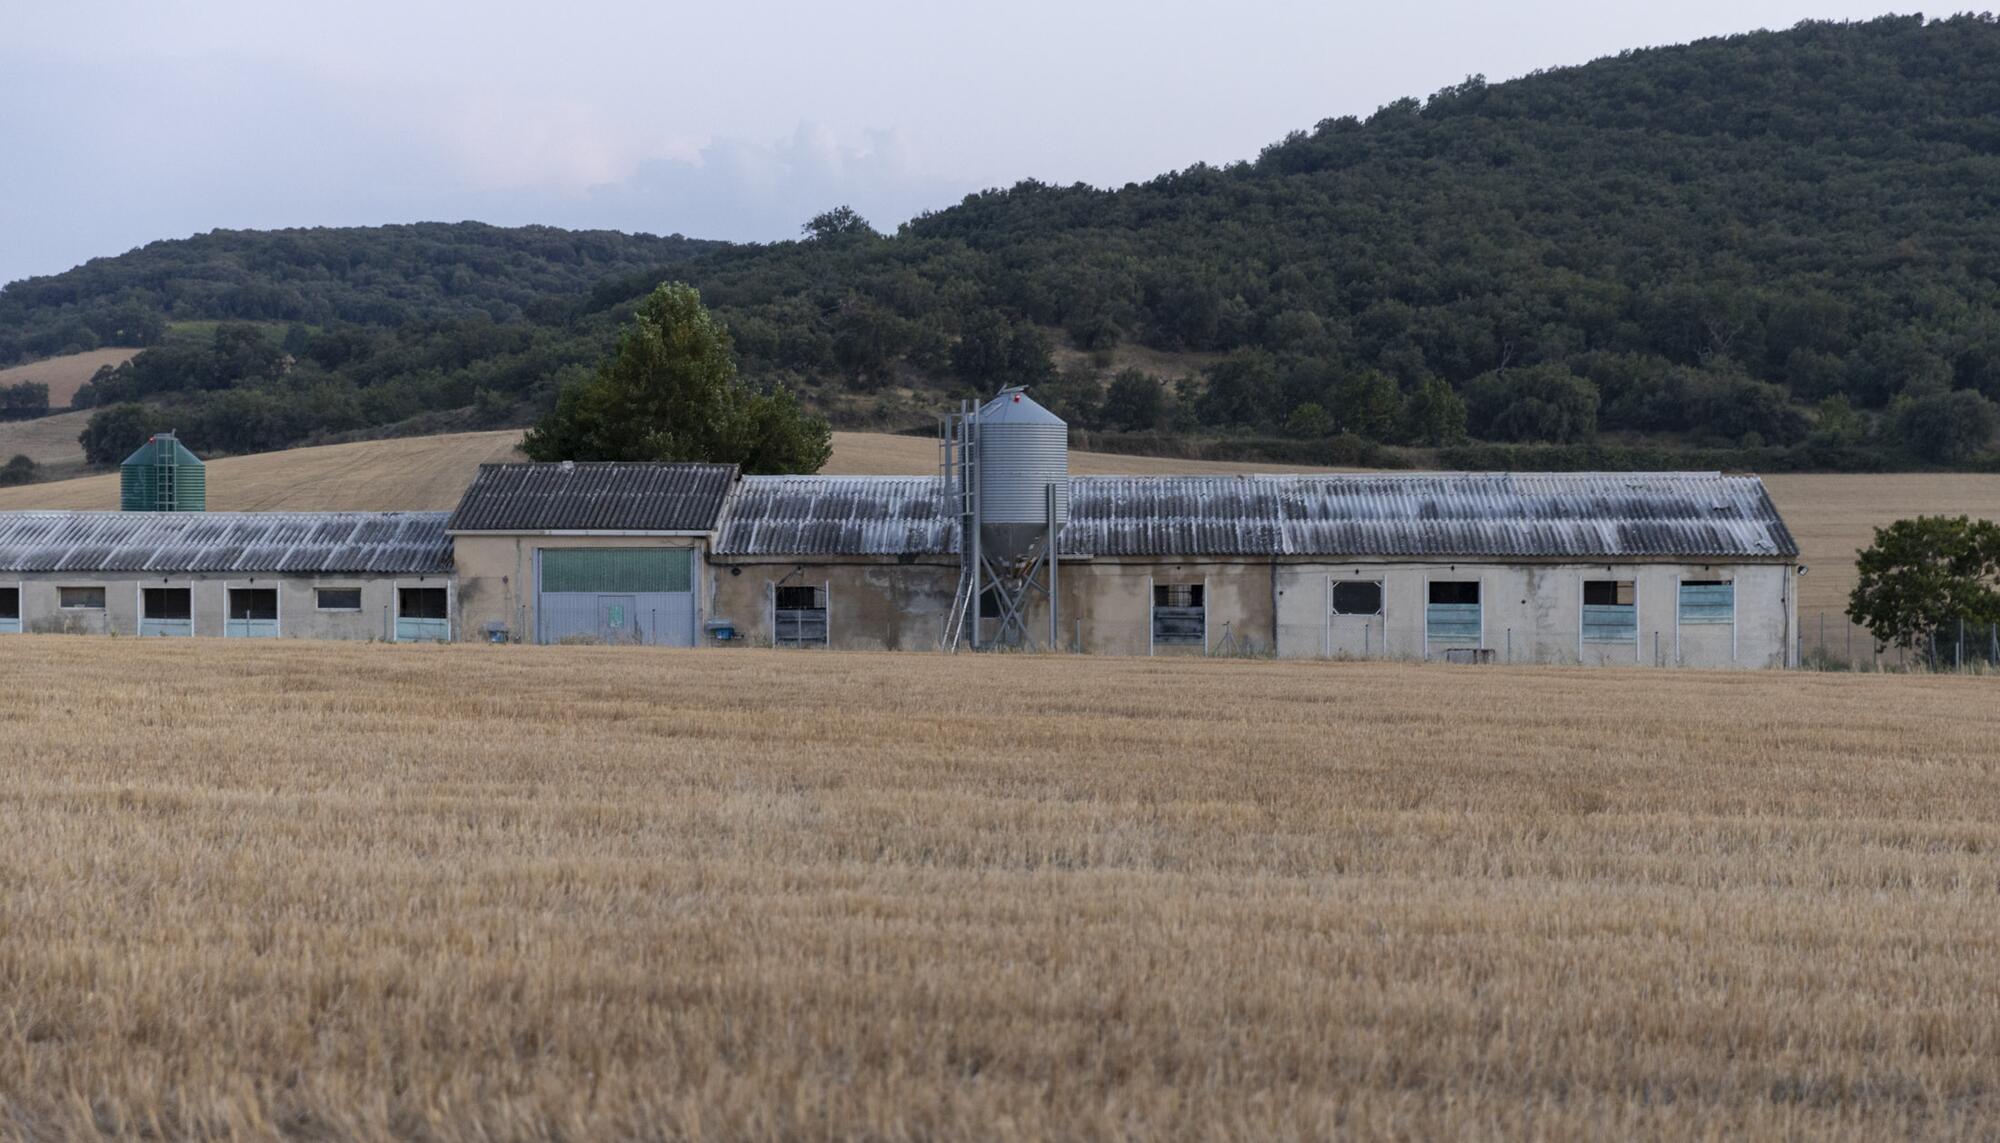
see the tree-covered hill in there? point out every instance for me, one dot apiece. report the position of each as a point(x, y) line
point(1775, 249)
point(370, 276)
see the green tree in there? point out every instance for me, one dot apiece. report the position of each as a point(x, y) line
point(840, 222)
point(1945, 427)
point(1538, 403)
point(19, 469)
point(116, 432)
point(1922, 575)
point(670, 393)
point(1310, 420)
point(24, 397)
point(1367, 402)
point(1134, 402)
point(1434, 415)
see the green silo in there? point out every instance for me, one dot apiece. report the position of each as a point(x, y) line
point(163, 476)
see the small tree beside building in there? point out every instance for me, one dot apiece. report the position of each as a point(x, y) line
point(1922, 577)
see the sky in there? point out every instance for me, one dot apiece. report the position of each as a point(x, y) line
point(126, 121)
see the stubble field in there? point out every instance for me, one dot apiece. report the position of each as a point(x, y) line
point(327, 890)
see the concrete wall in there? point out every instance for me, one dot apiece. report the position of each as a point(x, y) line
point(496, 577)
point(873, 605)
point(298, 613)
point(1530, 613)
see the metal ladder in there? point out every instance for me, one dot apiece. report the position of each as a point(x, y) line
point(958, 472)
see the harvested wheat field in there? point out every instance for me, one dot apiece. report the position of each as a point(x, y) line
point(326, 890)
point(431, 473)
point(1834, 516)
point(65, 375)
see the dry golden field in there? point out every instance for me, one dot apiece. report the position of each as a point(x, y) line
point(65, 375)
point(1834, 516)
point(47, 441)
point(340, 890)
point(430, 473)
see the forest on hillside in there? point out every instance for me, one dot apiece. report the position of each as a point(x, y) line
point(1773, 250)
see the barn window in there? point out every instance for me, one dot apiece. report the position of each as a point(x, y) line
point(1610, 611)
point(253, 603)
point(989, 603)
point(169, 603)
point(1706, 601)
point(80, 598)
point(166, 611)
point(422, 603)
point(1357, 597)
point(1180, 614)
point(799, 616)
point(10, 603)
point(253, 612)
point(338, 598)
point(1451, 613)
point(423, 613)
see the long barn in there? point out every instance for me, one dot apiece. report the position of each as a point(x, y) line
point(1663, 569)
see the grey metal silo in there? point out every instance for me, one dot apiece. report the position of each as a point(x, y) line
point(1023, 452)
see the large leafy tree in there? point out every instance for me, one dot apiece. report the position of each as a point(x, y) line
point(671, 393)
point(1923, 575)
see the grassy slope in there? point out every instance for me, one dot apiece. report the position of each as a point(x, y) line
point(64, 375)
point(324, 890)
point(1832, 516)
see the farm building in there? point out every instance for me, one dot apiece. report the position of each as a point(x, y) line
point(610, 552)
point(1692, 569)
point(1002, 549)
point(322, 575)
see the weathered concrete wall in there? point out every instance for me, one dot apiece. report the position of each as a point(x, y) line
point(1533, 614)
point(1530, 613)
point(873, 605)
point(496, 577)
point(298, 614)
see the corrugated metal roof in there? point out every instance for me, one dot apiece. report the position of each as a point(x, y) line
point(837, 516)
point(1468, 515)
point(1415, 515)
point(606, 496)
point(305, 543)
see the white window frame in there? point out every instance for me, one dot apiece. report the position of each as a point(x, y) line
point(360, 597)
point(103, 597)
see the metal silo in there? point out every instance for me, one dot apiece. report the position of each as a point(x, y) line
point(1005, 474)
point(163, 476)
point(1023, 452)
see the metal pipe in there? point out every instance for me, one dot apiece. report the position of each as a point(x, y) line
point(1055, 600)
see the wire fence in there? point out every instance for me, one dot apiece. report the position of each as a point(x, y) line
point(1830, 641)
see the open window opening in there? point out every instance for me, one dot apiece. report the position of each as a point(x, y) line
point(1357, 597)
point(252, 612)
point(80, 598)
point(1451, 613)
point(337, 598)
point(1610, 611)
point(1180, 614)
point(799, 615)
point(166, 611)
point(422, 603)
point(423, 614)
point(168, 603)
point(10, 610)
point(1707, 601)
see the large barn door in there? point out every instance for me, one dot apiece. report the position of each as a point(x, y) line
point(615, 595)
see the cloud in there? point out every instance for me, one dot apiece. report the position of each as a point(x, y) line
point(751, 191)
